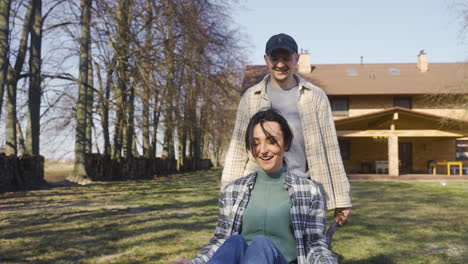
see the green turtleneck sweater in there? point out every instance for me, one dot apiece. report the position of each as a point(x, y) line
point(268, 213)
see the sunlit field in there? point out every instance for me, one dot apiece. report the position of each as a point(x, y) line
point(154, 221)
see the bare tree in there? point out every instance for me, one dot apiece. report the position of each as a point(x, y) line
point(80, 174)
point(13, 76)
point(4, 33)
point(34, 92)
point(103, 99)
point(164, 74)
point(121, 52)
point(89, 107)
point(457, 95)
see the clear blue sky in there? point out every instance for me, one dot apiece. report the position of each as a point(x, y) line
point(341, 31)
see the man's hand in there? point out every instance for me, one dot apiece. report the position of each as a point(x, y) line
point(180, 261)
point(341, 215)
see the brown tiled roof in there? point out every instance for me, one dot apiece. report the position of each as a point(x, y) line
point(433, 120)
point(397, 109)
point(391, 78)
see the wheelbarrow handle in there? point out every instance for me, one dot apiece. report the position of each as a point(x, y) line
point(339, 220)
point(330, 232)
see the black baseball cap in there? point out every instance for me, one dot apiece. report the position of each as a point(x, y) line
point(281, 41)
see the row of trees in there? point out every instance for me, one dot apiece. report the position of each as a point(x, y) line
point(151, 73)
point(11, 73)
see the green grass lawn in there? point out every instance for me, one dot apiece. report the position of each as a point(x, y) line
point(156, 221)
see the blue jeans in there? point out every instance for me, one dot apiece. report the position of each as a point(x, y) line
point(236, 251)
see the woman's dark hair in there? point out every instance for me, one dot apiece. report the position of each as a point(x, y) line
point(262, 117)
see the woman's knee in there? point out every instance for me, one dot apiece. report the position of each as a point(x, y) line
point(237, 240)
point(261, 240)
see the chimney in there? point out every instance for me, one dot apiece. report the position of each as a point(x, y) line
point(422, 61)
point(304, 62)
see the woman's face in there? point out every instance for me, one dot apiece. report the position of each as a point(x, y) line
point(268, 151)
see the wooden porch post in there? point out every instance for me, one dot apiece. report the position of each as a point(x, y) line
point(393, 168)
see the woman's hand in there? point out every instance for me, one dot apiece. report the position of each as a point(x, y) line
point(180, 261)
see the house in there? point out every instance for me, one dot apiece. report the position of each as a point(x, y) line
point(394, 118)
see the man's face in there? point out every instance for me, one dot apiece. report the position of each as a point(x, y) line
point(281, 64)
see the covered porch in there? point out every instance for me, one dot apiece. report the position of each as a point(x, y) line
point(400, 141)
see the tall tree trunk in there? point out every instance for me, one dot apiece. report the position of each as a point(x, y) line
point(130, 132)
point(118, 129)
point(145, 122)
point(198, 133)
point(12, 81)
point(4, 32)
point(10, 129)
point(146, 95)
point(181, 152)
point(34, 93)
point(185, 121)
point(194, 118)
point(202, 131)
point(19, 133)
point(122, 78)
point(168, 148)
point(169, 47)
point(89, 108)
point(156, 115)
point(103, 105)
point(80, 174)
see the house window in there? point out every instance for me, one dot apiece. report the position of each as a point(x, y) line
point(339, 105)
point(351, 72)
point(461, 149)
point(394, 71)
point(344, 148)
point(402, 101)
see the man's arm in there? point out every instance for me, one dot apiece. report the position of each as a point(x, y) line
point(237, 157)
point(338, 178)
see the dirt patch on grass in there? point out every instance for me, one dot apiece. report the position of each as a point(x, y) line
point(107, 258)
point(451, 250)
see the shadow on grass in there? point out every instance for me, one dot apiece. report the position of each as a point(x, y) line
point(380, 259)
point(71, 234)
point(155, 220)
point(117, 232)
point(398, 222)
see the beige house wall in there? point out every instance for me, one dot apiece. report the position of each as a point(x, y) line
point(363, 150)
point(364, 104)
point(422, 104)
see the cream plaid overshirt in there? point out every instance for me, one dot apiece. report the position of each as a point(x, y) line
point(321, 143)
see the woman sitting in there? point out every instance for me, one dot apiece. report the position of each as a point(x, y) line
point(270, 216)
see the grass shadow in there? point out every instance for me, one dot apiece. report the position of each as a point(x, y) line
point(153, 221)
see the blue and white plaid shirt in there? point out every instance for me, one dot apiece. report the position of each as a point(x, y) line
point(307, 217)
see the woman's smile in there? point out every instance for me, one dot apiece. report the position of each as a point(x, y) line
point(267, 158)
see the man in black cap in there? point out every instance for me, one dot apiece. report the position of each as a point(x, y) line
point(314, 152)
